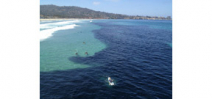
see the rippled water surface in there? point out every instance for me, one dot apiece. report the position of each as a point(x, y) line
point(137, 54)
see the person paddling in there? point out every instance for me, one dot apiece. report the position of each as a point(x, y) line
point(110, 80)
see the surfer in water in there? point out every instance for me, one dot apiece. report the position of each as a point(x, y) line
point(110, 80)
point(76, 53)
point(86, 53)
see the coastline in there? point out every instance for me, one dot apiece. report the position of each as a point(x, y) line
point(92, 19)
point(65, 19)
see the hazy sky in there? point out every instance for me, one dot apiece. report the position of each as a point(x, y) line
point(129, 7)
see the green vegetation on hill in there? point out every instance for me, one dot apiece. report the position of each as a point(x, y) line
point(53, 11)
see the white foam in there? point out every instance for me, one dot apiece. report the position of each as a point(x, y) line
point(55, 24)
point(44, 34)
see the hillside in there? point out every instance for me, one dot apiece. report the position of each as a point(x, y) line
point(53, 11)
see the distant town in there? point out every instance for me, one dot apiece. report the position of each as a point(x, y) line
point(55, 12)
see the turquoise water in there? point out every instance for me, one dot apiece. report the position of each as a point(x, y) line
point(154, 24)
point(55, 50)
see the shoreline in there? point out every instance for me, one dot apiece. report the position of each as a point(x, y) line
point(93, 19)
point(69, 19)
point(64, 19)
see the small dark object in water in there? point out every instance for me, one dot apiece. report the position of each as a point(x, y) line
point(76, 53)
point(83, 42)
point(86, 53)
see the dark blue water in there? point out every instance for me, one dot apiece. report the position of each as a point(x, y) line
point(138, 57)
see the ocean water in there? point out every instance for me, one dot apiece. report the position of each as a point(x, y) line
point(137, 54)
point(63, 39)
